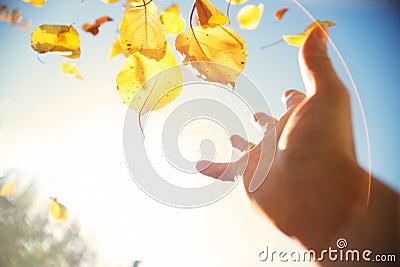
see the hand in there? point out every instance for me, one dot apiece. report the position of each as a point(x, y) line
point(314, 184)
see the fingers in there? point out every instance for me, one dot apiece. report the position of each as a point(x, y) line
point(316, 68)
point(265, 121)
point(240, 143)
point(221, 171)
point(292, 98)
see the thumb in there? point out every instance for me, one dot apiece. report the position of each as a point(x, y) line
point(316, 68)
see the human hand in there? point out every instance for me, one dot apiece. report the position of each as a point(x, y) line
point(314, 184)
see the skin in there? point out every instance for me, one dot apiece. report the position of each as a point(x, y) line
point(315, 190)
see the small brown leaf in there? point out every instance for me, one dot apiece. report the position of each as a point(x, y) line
point(94, 28)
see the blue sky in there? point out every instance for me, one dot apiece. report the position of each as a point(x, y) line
point(68, 133)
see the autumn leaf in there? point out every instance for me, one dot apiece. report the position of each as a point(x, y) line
point(94, 28)
point(38, 3)
point(58, 210)
point(141, 30)
point(115, 50)
point(219, 45)
point(297, 40)
point(172, 21)
point(133, 4)
point(7, 189)
point(56, 39)
point(5, 15)
point(109, 1)
point(209, 15)
point(69, 68)
point(25, 25)
point(143, 85)
point(249, 16)
point(279, 14)
point(15, 17)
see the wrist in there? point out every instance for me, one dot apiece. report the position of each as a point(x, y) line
point(345, 196)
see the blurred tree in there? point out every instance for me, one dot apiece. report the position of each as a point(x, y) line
point(29, 239)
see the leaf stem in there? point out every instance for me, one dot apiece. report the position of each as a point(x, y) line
point(227, 11)
point(191, 27)
point(145, 102)
point(145, 4)
point(272, 44)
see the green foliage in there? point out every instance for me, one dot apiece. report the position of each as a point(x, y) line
point(29, 238)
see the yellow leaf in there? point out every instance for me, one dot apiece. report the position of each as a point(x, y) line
point(134, 3)
point(58, 210)
point(36, 2)
point(109, 1)
point(297, 40)
point(115, 50)
point(7, 189)
point(143, 85)
point(249, 16)
point(236, 2)
point(209, 15)
point(141, 30)
point(219, 45)
point(57, 39)
point(69, 68)
point(173, 8)
point(279, 14)
point(173, 23)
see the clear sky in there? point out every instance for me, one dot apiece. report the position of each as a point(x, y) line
point(67, 133)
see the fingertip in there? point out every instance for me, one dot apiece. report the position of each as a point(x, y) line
point(202, 165)
point(287, 94)
point(292, 97)
point(262, 118)
point(316, 67)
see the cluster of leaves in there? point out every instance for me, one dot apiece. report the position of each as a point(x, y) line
point(29, 238)
point(142, 83)
point(14, 17)
point(143, 40)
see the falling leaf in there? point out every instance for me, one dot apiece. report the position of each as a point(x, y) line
point(219, 45)
point(25, 25)
point(109, 1)
point(94, 28)
point(279, 14)
point(5, 15)
point(249, 16)
point(7, 189)
point(57, 39)
point(209, 15)
point(58, 210)
point(69, 68)
point(141, 30)
point(297, 40)
point(172, 21)
point(38, 3)
point(3, 8)
point(143, 85)
point(115, 50)
point(15, 17)
point(236, 2)
point(133, 4)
